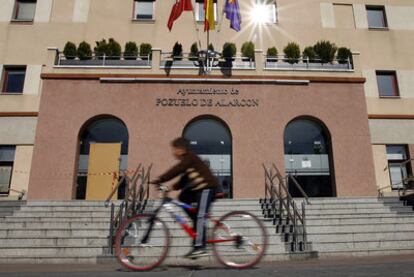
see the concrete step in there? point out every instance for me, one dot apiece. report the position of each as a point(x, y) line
point(367, 252)
point(341, 211)
point(339, 228)
point(359, 236)
point(54, 233)
point(51, 251)
point(360, 220)
point(359, 215)
point(330, 200)
point(32, 225)
point(359, 245)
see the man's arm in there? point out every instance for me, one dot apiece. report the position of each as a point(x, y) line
point(179, 168)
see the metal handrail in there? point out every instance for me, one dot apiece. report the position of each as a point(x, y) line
point(282, 203)
point(134, 202)
point(403, 190)
point(295, 182)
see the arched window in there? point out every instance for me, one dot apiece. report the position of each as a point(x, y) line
point(211, 139)
point(105, 129)
point(308, 157)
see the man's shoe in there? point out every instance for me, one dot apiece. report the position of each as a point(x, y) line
point(196, 253)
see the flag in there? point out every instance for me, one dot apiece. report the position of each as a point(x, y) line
point(177, 10)
point(209, 22)
point(232, 11)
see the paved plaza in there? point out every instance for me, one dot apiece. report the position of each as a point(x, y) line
point(387, 266)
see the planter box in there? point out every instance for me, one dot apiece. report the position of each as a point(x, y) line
point(93, 62)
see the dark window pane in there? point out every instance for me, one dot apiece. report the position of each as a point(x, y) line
point(105, 130)
point(25, 10)
point(387, 84)
point(7, 153)
point(208, 136)
point(305, 137)
point(376, 18)
point(5, 177)
point(14, 80)
point(397, 152)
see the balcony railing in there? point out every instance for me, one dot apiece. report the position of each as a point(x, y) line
point(213, 60)
point(206, 62)
point(281, 62)
point(104, 61)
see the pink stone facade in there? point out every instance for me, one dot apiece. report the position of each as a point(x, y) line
point(257, 130)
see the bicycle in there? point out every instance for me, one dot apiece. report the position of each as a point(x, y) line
point(142, 241)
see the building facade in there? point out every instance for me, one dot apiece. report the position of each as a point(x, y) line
point(341, 128)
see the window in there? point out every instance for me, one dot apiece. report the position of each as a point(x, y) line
point(13, 79)
point(24, 10)
point(199, 10)
point(6, 167)
point(376, 17)
point(264, 12)
point(387, 84)
point(144, 10)
point(396, 154)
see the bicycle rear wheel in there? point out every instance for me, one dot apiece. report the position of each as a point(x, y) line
point(135, 255)
point(244, 240)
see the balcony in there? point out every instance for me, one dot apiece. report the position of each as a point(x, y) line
point(207, 63)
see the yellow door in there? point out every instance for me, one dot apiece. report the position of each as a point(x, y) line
point(104, 158)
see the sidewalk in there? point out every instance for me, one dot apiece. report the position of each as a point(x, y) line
point(358, 266)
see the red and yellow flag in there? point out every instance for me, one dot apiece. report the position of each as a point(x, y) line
point(209, 22)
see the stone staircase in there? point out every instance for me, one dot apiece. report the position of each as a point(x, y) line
point(360, 226)
point(76, 232)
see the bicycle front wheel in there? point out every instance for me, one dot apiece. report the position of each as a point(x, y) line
point(240, 240)
point(134, 253)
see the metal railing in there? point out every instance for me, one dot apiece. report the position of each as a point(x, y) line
point(305, 63)
point(104, 60)
point(208, 59)
point(134, 202)
point(403, 186)
point(283, 208)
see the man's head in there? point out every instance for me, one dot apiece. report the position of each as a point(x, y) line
point(180, 147)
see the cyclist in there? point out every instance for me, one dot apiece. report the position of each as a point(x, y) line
point(197, 185)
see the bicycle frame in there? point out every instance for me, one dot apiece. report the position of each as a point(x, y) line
point(168, 205)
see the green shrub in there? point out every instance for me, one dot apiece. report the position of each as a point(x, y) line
point(84, 51)
point(229, 50)
point(194, 52)
point(210, 47)
point(177, 52)
point(325, 50)
point(247, 50)
point(344, 54)
point(114, 49)
point(271, 54)
point(101, 49)
point(131, 51)
point(292, 52)
point(145, 51)
point(69, 51)
point(309, 54)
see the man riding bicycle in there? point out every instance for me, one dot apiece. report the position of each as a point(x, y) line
point(197, 184)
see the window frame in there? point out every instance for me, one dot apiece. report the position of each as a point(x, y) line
point(396, 90)
point(16, 11)
point(8, 163)
point(5, 77)
point(198, 4)
point(390, 162)
point(135, 11)
point(384, 14)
